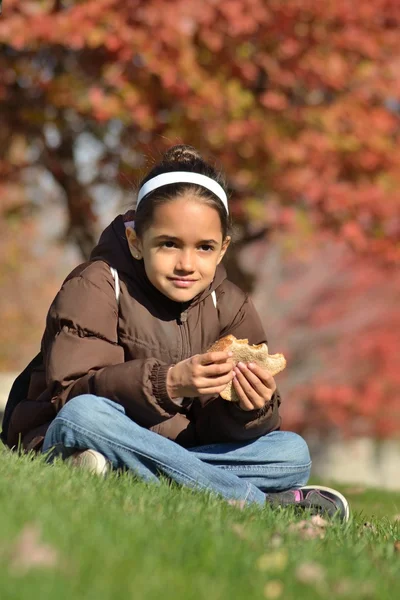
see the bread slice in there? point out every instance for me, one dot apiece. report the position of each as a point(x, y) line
point(244, 352)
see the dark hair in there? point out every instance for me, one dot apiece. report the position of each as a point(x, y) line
point(181, 158)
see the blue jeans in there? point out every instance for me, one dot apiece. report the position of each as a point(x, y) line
point(237, 471)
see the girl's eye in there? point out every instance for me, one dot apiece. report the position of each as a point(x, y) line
point(170, 244)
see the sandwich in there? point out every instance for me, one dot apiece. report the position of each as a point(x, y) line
point(244, 352)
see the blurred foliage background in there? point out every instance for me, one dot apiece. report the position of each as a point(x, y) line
point(297, 101)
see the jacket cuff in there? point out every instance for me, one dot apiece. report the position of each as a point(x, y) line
point(246, 416)
point(158, 378)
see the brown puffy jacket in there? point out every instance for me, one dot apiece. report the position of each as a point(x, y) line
point(94, 345)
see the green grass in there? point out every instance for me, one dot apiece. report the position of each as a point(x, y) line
point(117, 538)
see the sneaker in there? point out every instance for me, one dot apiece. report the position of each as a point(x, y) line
point(91, 461)
point(318, 499)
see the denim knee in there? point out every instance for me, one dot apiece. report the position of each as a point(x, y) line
point(88, 409)
point(82, 416)
point(297, 452)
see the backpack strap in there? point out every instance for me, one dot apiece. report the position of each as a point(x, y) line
point(214, 298)
point(115, 275)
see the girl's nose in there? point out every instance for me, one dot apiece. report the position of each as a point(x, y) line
point(186, 261)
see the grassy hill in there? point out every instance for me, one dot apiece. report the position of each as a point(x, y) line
point(66, 534)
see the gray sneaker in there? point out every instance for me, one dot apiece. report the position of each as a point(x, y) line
point(90, 460)
point(317, 499)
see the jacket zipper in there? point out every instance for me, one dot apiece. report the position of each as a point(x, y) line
point(182, 319)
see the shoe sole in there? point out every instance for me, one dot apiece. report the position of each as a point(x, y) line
point(343, 500)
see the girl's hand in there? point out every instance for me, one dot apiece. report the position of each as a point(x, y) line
point(200, 374)
point(254, 385)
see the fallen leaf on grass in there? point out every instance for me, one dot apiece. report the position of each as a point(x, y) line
point(240, 531)
point(243, 534)
point(276, 540)
point(311, 528)
point(274, 561)
point(371, 526)
point(397, 546)
point(29, 552)
point(343, 587)
point(273, 589)
point(311, 573)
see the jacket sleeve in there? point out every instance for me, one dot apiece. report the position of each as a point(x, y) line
point(82, 355)
point(221, 421)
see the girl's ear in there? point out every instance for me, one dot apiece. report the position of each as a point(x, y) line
point(134, 244)
point(224, 248)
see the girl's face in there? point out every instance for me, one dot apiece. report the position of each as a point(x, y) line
point(182, 247)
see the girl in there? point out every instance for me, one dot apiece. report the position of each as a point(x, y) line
point(126, 379)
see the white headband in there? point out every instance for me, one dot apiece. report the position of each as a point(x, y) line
point(183, 177)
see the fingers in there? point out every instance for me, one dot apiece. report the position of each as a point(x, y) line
point(217, 385)
point(252, 391)
point(215, 370)
point(214, 357)
point(212, 364)
point(249, 399)
point(204, 383)
point(260, 379)
point(213, 390)
point(262, 374)
point(244, 402)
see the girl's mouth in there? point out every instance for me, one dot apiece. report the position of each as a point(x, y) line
point(183, 283)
